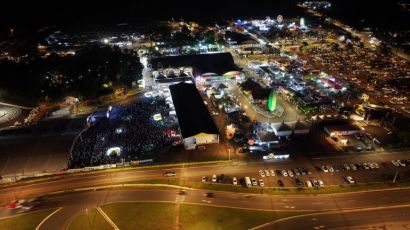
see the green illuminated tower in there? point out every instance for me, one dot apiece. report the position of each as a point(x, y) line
point(272, 100)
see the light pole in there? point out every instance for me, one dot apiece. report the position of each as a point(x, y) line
point(229, 153)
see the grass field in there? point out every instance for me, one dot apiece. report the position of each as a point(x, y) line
point(27, 221)
point(207, 217)
point(155, 215)
point(135, 215)
point(91, 219)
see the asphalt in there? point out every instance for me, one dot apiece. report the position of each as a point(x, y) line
point(386, 218)
point(73, 204)
point(235, 169)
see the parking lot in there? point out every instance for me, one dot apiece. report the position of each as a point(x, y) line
point(291, 174)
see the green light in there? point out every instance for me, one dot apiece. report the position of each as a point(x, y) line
point(272, 100)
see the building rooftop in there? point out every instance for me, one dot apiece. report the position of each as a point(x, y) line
point(193, 116)
point(218, 63)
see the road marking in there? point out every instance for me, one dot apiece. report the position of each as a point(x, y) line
point(332, 211)
point(48, 217)
point(107, 218)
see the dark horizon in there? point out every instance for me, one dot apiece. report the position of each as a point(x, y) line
point(79, 14)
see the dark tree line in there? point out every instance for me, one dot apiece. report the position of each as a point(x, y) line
point(89, 73)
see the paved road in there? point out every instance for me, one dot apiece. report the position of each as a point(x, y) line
point(75, 203)
point(385, 218)
point(194, 173)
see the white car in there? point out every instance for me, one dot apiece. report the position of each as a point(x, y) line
point(204, 179)
point(290, 173)
point(170, 174)
point(309, 184)
point(234, 181)
point(261, 173)
point(272, 172)
point(254, 182)
point(395, 163)
point(346, 166)
point(321, 184)
point(214, 178)
point(376, 165)
point(267, 173)
point(401, 163)
point(353, 167)
point(350, 180)
point(366, 166)
point(261, 183)
point(284, 173)
point(331, 169)
point(325, 169)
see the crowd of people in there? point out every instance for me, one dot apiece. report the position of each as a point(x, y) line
point(130, 128)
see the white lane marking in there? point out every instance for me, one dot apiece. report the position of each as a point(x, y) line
point(48, 217)
point(107, 218)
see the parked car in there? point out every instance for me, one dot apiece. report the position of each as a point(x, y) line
point(284, 173)
point(254, 182)
point(395, 163)
point(353, 167)
point(272, 173)
point(261, 173)
point(315, 183)
point(267, 173)
point(204, 179)
point(234, 181)
point(261, 183)
point(350, 180)
point(321, 184)
point(298, 183)
point(278, 173)
point(221, 178)
point(290, 173)
point(297, 172)
point(325, 169)
point(214, 178)
point(402, 163)
point(280, 183)
point(309, 184)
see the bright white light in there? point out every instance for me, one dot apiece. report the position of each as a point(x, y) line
point(105, 41)
point(157, 117)
point(114, 151)
point(119, 130)
point(148, 94)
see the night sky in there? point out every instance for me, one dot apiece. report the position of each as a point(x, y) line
point(77, 13)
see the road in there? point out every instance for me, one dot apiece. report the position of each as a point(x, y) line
point(194, 174)
point(73, 203)
point(373, 218)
